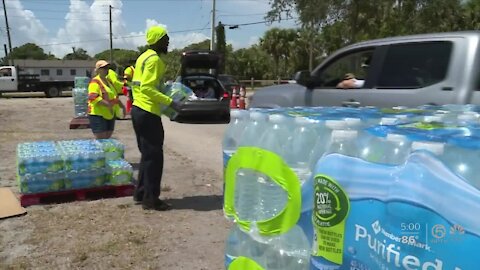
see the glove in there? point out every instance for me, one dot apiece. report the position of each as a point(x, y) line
point(176, 105)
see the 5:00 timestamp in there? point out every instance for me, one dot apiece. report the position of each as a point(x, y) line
point(410, 226)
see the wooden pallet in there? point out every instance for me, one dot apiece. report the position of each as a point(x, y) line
point(76, 195)
point(80, 122)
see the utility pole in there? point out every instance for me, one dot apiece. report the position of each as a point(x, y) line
point(8, 30)
point(212, 38)
point(111, 41)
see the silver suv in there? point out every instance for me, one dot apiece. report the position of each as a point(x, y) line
point(440, 68)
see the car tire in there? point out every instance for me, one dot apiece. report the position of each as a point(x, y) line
point(225, 117)
point(53, 92)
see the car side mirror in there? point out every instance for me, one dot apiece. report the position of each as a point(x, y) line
point(304, 78)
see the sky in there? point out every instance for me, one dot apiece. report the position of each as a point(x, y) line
point(58, 25)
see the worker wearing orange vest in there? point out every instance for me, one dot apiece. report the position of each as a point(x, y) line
point(102, 102)
point(147, 87)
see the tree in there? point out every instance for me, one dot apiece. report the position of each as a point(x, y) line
point(251, 62)
point(78, 54)
point(277, 43)
point(203, 45)
point(221, 46)
point(122, 58)
point(29, 51)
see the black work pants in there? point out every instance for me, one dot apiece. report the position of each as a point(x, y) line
point(150, 135)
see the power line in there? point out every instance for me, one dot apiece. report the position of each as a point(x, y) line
point(49, 10)
point(240, 15)
point(118, 37)
point(252, 23)
point(58, 19)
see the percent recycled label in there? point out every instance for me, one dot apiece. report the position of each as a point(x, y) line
point(331, 208)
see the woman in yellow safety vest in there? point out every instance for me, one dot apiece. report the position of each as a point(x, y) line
point(103, 102)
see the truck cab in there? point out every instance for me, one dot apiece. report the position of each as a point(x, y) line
point(8, 79)
point(437, 68)
point(12, 81)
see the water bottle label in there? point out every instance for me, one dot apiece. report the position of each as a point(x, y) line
point(331, 206)
point(400, 217)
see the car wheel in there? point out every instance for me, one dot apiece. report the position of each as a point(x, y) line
point(53, 92)
point(225, 117)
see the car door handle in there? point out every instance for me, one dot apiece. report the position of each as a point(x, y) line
point(351, 104)
point(13, 80)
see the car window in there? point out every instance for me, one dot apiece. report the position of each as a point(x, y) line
point(415, 65)
point(353, 65)
point(6, 72)
point(227, 79)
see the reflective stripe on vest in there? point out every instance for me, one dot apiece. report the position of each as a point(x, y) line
point(102, 89)
point(273, 166)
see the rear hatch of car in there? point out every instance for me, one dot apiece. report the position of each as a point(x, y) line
point(200, 62)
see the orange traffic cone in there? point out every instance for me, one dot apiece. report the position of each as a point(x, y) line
point(128, 106)
point(233, 100)
point(241, 103)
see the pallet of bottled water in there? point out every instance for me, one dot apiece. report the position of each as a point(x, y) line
point(71, 164)
point(353, 188)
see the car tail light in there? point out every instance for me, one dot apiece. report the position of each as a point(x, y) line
point(226, 95)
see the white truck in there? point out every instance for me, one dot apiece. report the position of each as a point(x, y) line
point(12, 81)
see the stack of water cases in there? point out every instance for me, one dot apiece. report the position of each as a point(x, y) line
point(118, 171)
point(84, 163)
point(178, 92)
point(353, 188)
point(40, 167)
point(80, 96)
point(75, 164)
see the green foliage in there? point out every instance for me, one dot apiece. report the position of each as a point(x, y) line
point(30, 51)
point(122, 58)
point(249, 63)
point(221, 45)
point(204, 45)
point(78, 54)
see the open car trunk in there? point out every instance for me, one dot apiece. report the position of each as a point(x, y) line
point(200, 86)
point(195, 62)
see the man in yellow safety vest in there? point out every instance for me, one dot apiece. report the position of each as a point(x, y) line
point(147, 87)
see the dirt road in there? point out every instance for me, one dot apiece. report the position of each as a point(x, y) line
point(116, 233)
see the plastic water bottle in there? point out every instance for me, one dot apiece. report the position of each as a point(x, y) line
point(273, 198)
point(246, 184)
point(461, 155)
point(300, 149)
point(388, 121)
point(234, 133)
point(235, 244)
point(278, 135)
point(324, 134)
point(178, 92)
point(393, 149)
point(290, 250)
point(254, 129)
point(436, 148)
point(344, 142)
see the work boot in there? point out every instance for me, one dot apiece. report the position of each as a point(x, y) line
point(137, 196)
point(157, 205)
